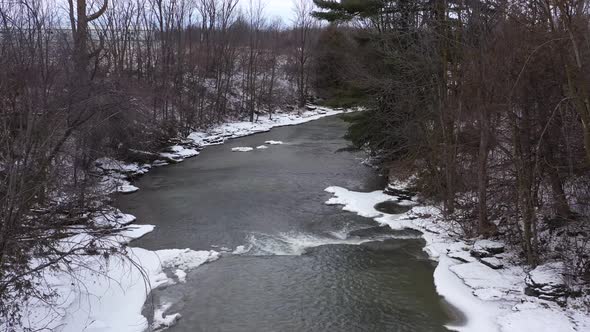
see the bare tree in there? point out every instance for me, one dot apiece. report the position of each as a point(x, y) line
point(302, 30)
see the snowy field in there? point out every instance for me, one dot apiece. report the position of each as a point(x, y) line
point(476, 277)
point(107, 294)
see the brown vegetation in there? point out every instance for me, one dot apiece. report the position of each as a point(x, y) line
point(127, 76)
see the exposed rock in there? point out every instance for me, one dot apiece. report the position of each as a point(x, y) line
point(127, 170)
point(142, 156)
point(160, 163)
point(177, 153)
point(402, 194)
point(546, 282)
point(171, 159)
point(493, 262)
point(462, 256)
point(460, 252)
point(213, 140)
point(486, 248)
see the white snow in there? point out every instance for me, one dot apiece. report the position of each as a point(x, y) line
point(487, 245)
point(492, 300)
point(115, 217)
point(178, 153)
point(537, 320)
point(107, 294)
point(273, 142)
point(262, 147)
point(127, 188)
point(242, 149)
point(361, 203)
point(163, 321)
point(181, 275)
point(548, 274)
point(219, 134)
point(480, 315)
point(240, 250)
point(117, 182)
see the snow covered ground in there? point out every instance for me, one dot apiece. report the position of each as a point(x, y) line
point(219, 134)
point(491, 295)
point(107, 294)
point(101, 293)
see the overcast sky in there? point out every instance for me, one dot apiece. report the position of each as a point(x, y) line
point(272, 8)
point(281, 8)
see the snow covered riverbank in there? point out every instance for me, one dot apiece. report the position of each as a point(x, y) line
point(118, 175)
point(107, 292)
point(491, 295)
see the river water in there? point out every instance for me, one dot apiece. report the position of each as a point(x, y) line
point(300, 265)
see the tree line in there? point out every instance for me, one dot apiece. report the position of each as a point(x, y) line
point(487, 102)
point(84, 79)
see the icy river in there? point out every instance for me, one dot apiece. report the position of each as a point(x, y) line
point(289, 262)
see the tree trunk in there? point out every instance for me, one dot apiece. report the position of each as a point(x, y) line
point(560, 204)
point(484, 226)
point(81, 36)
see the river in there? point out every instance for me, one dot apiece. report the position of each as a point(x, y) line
point(300, 265)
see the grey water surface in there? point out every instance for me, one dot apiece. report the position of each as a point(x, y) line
point(301, 265)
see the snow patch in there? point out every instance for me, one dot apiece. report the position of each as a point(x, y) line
point(177, 153)
point(107, 294)
point(242, 149)
point(163, 321)
point(181, 275)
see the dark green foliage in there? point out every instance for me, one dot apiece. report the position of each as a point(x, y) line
point(385, 68)
point(347, 9)
point(347, 97)
point(361, 129)
point(366, 132)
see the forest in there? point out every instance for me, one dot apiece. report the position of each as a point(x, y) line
point(485, 103)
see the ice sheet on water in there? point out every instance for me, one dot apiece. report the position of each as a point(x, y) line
point(162, 320)
point(115, 289)
point(242, 149)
